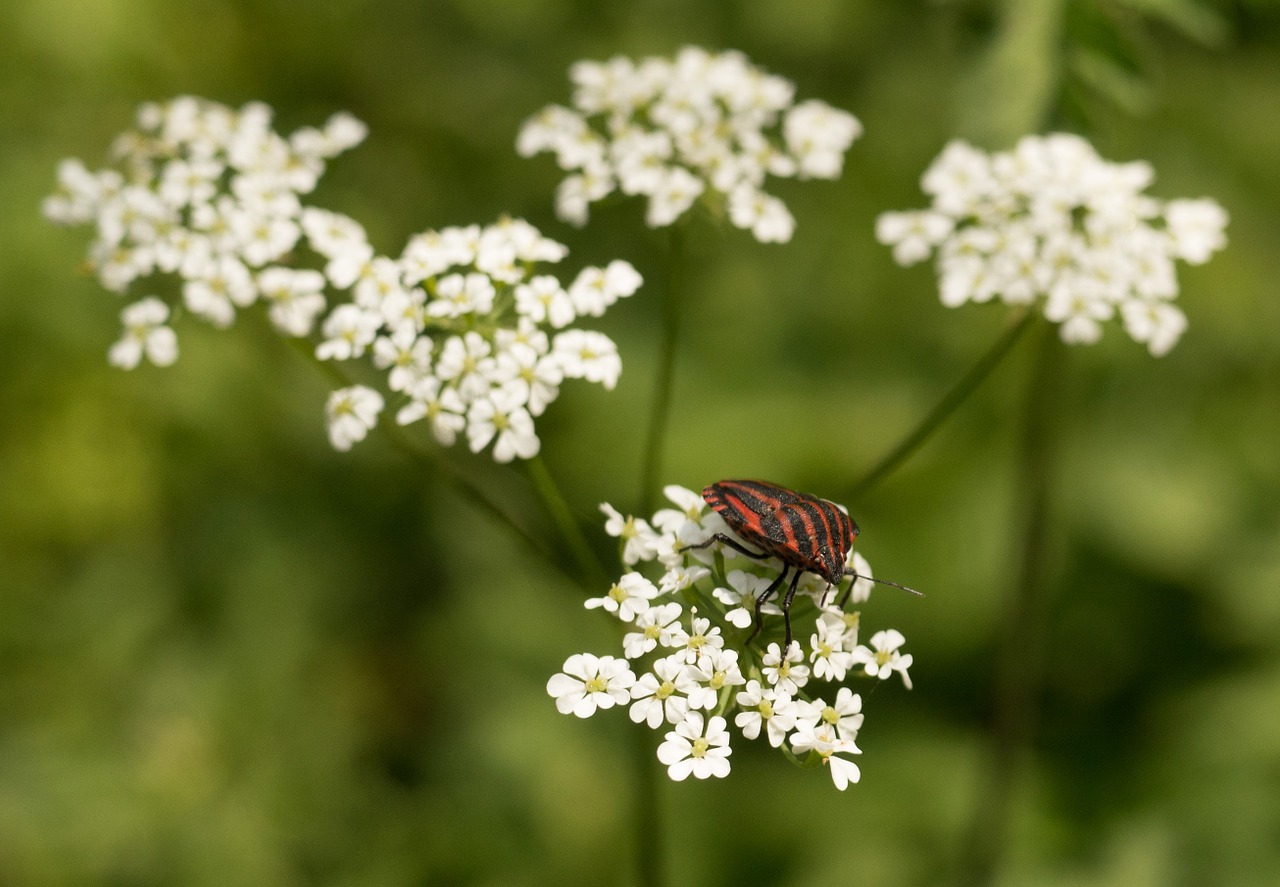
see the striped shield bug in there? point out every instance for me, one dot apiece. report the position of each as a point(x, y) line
point(808, 534)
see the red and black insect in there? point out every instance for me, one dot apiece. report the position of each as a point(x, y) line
point(808, 534)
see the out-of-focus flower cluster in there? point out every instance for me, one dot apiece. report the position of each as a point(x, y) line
point(676, 129)
point(211, 195)
point(688, 668)
point(471, 336)
point(1053, 220)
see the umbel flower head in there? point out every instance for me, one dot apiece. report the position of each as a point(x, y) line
point(700, 125)
point(208, 196)
point(690, 666)
point(1052, 221)
point(472, 336)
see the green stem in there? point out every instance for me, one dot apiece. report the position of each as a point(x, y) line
point(650, 839)
point(660, 408)
point(1023, 626)
point(969, 382)
point(593, 571)
point(436, 464)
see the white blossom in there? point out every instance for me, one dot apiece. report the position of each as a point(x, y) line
point(701, 125)
point(1052, 221)
point(145, 335)
point(696, 746)
point(692, 642)
point(663, 694)
point(883, 658)
point(591, 682)
point(353, 412)
point(628, 597)
point(765, 707)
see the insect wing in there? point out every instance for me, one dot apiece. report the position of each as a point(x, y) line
point(750, 508)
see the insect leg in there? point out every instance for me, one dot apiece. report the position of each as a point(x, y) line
point(764, 596)
point(732, 543)
point(786, 610)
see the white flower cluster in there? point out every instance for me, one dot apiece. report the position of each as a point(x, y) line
point(1051, 218)
point(676, 129)
point(471, 336)
point(208, 194)
point(697, 670)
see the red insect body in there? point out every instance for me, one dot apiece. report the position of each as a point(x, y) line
point(808, 534)
point(803, 531)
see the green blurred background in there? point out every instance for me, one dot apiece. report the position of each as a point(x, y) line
point(232, 656)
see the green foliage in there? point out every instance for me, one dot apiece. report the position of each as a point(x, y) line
point(229, 655)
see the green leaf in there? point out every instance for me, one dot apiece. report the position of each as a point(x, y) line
point(1015, 86)
point(1191, 17)
point(1106, 76)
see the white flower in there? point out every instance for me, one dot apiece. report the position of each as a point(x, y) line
point(1051, 220)
point(913, 234)
point(438, 403)
point(699, 671)
point(596, 289)
point(690, 506)
point(332, 234)
point(715, 670)
point(531, 378)
point(543, 300)
point(296, 298)
point(679, 578)
point(213, 195)
point(500, 416)
point(741, 595)
point(628, 597)
point(348, 330)
point(457, 295)
point(884, 659)
point(818, 135)
point(590, 682)
point(465, 361)
point(663, 694)
point(688, 749)
point(637, 536)
point(823, 740)
point(1196, 227)
point(1158, 324)
point(656, 625)
point(700, 637)
point(786, 674)
point(145, 333)
point(831, 661)
point(844, 715)
point(586, 354)
point(406, 354)
point(768, 708)
point(675, 192)
point(352, 412)
point(765, 216)
point(679, 129)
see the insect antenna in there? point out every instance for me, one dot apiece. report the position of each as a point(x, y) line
point(844, 598)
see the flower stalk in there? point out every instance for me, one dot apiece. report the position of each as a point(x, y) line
point(1023, 625)
point(1018, 323)
point(664, 383)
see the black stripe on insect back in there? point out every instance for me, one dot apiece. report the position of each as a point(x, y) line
point(817, 544)
point(759, 498)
